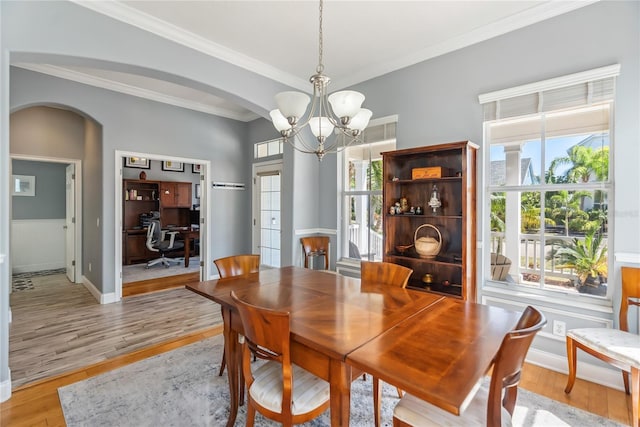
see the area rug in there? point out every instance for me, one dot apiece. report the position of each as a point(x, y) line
point(138, 272)
point(182, 388)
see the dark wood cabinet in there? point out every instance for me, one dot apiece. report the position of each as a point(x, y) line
point(452, 168)
point(175, 194)
point(135, 247)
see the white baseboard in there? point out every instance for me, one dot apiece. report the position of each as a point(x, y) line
point(5, 388)
point(310, 231)
point(28, 268)
point(99, 296)
point(586, 371)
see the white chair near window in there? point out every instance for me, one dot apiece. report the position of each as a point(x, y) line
point(618, 347)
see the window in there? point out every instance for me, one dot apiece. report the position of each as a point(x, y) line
point(547, 175)
point(267, 148)
point(362, 192)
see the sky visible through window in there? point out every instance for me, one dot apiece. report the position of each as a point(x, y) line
point(555, 148)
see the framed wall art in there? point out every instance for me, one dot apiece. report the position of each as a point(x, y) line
point(23, 185)
point(195, 168)
point(137, 162)
point(170, 165)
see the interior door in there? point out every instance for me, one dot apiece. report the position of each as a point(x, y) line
point(70, 224)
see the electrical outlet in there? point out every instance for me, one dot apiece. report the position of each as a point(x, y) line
point(559, 328)
point(89, 267)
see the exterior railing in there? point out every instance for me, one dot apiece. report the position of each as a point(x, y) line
point(531, 260)
point(375, 242)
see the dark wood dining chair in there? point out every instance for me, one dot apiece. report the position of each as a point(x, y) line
point(490, 404)
point(315, 246)
point(232, 266)
point(620, 348)
point(277, 388)
point(388, 274)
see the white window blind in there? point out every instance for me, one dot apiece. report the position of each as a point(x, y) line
point(586, 88)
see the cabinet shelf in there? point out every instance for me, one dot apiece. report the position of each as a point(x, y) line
point(449, 291)
point(424, 216)
point(450, 260)
point(455, 219)
point(423, 181)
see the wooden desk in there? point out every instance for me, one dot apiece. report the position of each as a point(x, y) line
point(438, 355)
point(187, 234)
point(331, 316)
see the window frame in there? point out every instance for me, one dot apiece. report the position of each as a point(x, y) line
point(387, 127)
point(541, 292)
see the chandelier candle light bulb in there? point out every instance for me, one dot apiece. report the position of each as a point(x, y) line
point(341, 112)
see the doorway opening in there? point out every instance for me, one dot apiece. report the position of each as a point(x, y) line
point(171, 191)
point(46, 220)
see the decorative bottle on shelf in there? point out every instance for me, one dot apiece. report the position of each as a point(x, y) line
point(434, 201)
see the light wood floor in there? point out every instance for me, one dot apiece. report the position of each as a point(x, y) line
point(59, 326)
point(37, 404)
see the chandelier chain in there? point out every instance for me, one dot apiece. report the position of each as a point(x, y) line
point(320, 67)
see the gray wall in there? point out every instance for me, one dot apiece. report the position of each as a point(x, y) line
point(50, 198)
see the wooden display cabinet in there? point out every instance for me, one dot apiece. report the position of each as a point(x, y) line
point(453, 269)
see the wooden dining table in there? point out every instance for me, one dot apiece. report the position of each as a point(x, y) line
point(336, 322)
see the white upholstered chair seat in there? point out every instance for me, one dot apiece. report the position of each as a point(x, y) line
point(309, 391)
point(418, 413)
point(614, 343)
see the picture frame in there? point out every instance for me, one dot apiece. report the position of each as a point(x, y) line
point(197, 191)
point(170, 165)
point(196, 168)
point(23, 185)
point(137, 162)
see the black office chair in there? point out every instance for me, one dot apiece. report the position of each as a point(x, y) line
point(156, 242)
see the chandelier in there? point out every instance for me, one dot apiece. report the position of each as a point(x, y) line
point(338, 113)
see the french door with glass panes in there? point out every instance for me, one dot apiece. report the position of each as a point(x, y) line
point(267, 214)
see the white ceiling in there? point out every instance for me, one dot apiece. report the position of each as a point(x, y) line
point(279, 39)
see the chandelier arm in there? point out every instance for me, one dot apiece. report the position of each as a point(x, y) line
point(305, 149)
point(336, 146)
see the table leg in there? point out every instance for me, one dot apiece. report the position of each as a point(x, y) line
point(230, 353)
point(187, 250)
point(340, 386)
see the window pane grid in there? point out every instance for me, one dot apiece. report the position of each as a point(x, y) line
point(549, 207)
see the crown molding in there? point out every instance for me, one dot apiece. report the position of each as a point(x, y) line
point(76, 76)
point(127, 14)
point(503, 26)
point(124, 13)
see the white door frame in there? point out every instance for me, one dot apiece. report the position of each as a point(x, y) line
point(205, 233)
point(70, 219)
point(258, 169)
point(78, 208)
